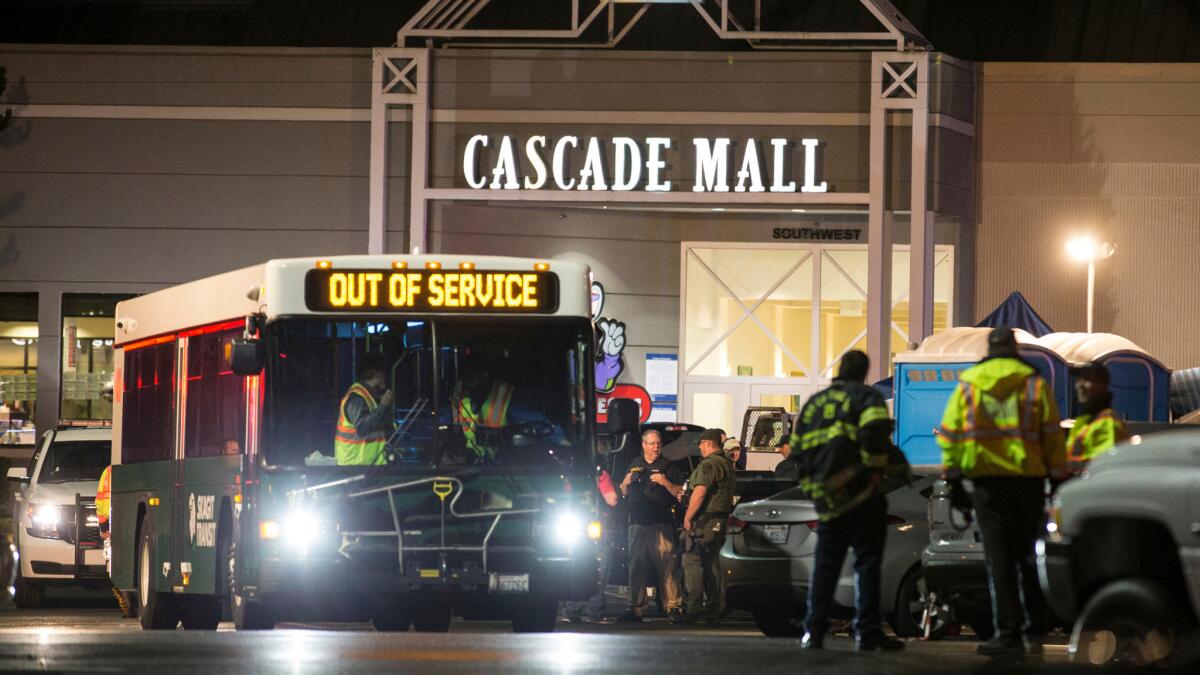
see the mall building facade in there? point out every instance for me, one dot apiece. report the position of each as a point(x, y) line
point(749, 215)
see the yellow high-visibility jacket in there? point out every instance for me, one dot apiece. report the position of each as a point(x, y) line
point(1093, 435)
point(1002, 421)
point(349, 447)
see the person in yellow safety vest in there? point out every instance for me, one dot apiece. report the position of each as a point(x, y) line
point(103, 500)
point(492, 413)
point(1001, 429)
point(103, 511)
point(1097, 428)
point(365, 416)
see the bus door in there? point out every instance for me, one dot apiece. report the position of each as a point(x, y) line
point(214, 405)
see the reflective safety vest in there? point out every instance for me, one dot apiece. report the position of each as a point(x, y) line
point(1002, 421)
point(104, 495)
point(493, 414)
point(348, 447)
point(1092, 436)
point(828, 449)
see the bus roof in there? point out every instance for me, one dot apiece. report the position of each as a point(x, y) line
point(277, 288)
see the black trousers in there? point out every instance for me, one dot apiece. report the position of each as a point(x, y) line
point(865, 530)
point(1011, 513)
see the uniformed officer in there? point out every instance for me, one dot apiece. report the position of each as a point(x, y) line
point(1001, 430)
point(1097, 428)
point(708, 507)
point(840, 450)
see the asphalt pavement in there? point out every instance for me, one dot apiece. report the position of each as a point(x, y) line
point(95, 639)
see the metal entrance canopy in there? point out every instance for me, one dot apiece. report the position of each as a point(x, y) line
point(899, 82)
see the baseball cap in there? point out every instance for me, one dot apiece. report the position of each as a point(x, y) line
point(1091, 369)
point(732, 444)
point(713, 435)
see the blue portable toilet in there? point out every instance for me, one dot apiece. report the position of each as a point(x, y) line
point(1141, 385)
point(925, 378)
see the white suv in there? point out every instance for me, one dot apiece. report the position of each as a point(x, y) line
point(55, 499)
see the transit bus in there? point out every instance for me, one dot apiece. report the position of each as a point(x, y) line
point(229, 500)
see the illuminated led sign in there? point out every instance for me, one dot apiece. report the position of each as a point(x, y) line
point(622, 164)
point(452, 291)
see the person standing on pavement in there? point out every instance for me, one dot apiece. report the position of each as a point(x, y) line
point(592, 609)
point(709, 504)
point(1097, 428)
point(840, 450)
point(651, 489)
point(1001, 430)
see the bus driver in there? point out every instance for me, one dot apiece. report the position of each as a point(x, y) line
point(365, 416)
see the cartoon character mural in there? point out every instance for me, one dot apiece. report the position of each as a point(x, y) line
point(610, 361)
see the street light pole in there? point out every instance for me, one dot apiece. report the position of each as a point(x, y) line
point(1091, 307)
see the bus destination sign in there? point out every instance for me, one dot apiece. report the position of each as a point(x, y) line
point(451, 291)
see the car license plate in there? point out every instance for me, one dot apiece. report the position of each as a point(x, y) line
point(511, 583)
point(775, 534)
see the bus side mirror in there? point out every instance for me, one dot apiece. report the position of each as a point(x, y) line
point(248, 356)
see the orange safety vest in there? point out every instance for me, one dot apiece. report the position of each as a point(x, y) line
point(348, 447)
point(104, 495)
point(493, 414)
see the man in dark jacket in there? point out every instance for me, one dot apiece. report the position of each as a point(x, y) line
point(840, 448)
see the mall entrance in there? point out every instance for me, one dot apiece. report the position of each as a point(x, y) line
point(766, 324)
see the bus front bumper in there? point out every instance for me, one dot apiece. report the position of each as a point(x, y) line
point(302, 577)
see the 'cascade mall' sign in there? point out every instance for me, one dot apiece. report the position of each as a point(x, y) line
point(636, 164)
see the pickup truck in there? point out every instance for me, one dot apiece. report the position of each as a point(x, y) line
point(1121, 554)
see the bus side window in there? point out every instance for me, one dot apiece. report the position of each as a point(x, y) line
point(216, 398)
point(148, 420)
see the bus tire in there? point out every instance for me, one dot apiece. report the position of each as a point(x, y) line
point(156, 610)
point(535, 615)
point(432, 615)
point(245, 614)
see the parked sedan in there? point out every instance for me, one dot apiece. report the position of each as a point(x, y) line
point(768, 557)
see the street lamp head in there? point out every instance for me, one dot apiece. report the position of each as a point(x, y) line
point(1085, 249)
point(1082, 249)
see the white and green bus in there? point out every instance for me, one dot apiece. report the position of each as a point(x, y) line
point(228, 497)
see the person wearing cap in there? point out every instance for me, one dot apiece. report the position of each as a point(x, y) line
point(839, 447)
point(1097, 428)
point(732, 449)
point(1001, 429)
point(708, 507)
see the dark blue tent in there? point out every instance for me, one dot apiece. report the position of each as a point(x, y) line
point(1016, 312)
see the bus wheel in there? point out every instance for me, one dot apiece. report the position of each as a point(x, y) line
point(392, 615)
point(536, 615)
point(246, 614)
point(432, 614)
point(156, 611)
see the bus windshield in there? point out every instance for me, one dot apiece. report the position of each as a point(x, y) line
point(454, 391)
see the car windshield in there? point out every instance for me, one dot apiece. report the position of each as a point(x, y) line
point(466, 390)
point(75, 461)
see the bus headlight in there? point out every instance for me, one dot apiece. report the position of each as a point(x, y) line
point(568, 528)
point(298, 530)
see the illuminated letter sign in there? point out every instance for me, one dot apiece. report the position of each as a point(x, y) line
point(453, 291)
point(627, 158)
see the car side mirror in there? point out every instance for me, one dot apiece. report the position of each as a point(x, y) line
point(18, 474)
point(248, 356)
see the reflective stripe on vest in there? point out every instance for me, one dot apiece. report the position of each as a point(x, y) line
point(350, 448)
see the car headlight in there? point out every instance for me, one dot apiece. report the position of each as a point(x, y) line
point(44, 520)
